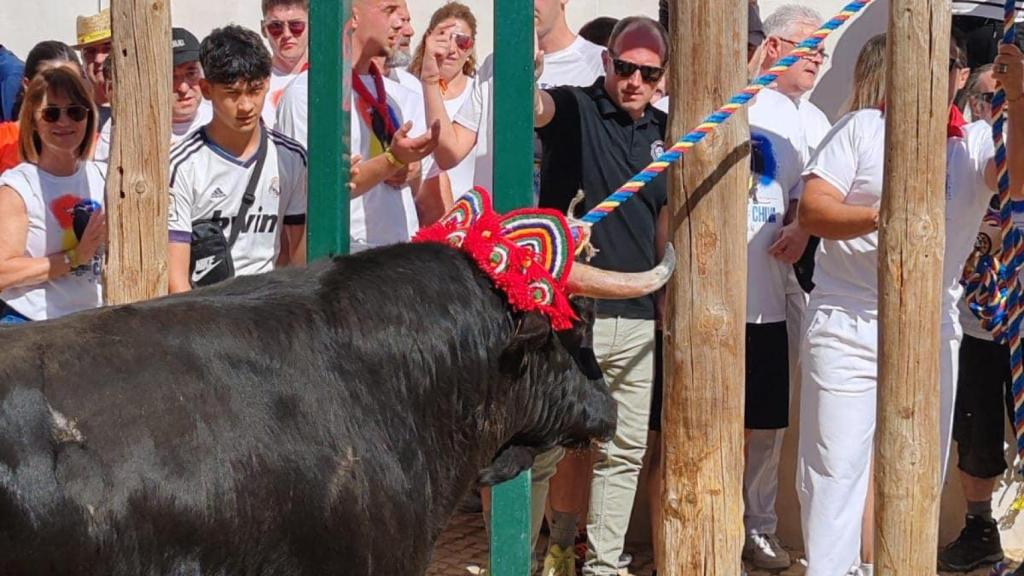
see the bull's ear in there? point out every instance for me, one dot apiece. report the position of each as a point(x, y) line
point(532, 332)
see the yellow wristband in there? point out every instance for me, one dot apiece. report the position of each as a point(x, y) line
point(392, 159)
point(73, 258)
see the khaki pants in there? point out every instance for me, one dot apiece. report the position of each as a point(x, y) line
point(625, 351)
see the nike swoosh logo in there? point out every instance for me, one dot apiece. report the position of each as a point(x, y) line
point(199, 274)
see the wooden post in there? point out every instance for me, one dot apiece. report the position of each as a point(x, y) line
point(137, 178)
point(513, 188)
point(911, 243)
point(327, 228)
point(702, 423)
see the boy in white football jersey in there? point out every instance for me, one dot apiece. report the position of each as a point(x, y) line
point(235, 182)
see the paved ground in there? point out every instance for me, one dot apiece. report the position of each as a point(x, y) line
point(463, 550)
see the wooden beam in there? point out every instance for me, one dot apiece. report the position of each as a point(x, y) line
point(327, 230)
point(911, 243)
point(513, 188)
point(702, 423)
point(137, 198)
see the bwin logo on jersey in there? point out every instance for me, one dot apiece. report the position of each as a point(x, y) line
point(254, 223)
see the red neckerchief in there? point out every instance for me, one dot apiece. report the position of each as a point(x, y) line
point(954, 125)
point(379, 104)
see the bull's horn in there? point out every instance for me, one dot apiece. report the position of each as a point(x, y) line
point(586, 280)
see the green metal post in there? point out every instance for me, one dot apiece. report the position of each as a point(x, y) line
point(513, 188)
point(327, 216)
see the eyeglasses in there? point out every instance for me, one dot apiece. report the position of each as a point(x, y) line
point(75, 113)
point(625, 69)
point(276, 27)
point(955, 64)
point(820, 52)
point(463, 42)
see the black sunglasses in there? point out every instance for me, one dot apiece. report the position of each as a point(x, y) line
point(75, 113)
point(626, 69)
point(954, 64)
point(986, 97)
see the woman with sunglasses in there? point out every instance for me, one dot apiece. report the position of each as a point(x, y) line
point(457, 78)
point(43, 55)
point(51, 206)
point(285, 25)
point(839, 353)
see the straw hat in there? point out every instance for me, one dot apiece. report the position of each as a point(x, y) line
point(93, 29)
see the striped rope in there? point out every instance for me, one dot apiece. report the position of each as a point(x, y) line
point(712, 122)
point(1001, 569)
point(994, 291)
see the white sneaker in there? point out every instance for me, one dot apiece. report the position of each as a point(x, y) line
point(766, 552)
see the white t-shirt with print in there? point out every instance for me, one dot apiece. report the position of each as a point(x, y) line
point(204, 114)
point(777, 154)
point(385, 214)
point(279, 81)
point(50, 203)
point(207, 183)
point(578, 64)
point(461, 176)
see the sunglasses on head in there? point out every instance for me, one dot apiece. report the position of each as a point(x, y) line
point(625, 69)
point(276, 27)
point(462, 41)
point(75, 113)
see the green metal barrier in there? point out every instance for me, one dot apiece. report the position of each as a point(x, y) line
point(328, 214)
point(513, 188)
point(327, 217)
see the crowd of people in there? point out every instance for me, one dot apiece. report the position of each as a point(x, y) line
point(421, 134)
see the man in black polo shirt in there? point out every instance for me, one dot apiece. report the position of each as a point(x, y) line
point(595, 138)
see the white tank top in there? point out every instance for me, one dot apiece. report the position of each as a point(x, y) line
point(50, 202)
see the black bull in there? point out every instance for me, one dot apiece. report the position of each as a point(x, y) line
point(304, 422)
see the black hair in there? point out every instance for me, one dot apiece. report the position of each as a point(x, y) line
point(234, 53)
point(599, 30)
point(45, 51)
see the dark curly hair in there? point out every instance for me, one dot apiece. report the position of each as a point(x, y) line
point(234, 53)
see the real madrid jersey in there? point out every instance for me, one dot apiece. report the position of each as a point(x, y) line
point(207, 183)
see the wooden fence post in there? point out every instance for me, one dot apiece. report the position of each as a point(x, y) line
point(137, 178)
point(702, 421)
point(911, 244)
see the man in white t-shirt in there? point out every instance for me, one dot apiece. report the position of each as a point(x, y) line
point(785, 28)
point(841, 201)
point(211, 172)
point(285, 25)
point(384, 115)
point(189, 110)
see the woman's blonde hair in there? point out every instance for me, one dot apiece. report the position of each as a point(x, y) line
point(61, 79)
point(869, 76)
point(451, 10)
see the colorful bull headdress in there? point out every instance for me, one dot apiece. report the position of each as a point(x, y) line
point(527, 253)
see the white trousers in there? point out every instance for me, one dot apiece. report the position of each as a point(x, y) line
point(764, 448)
point(837, 423)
